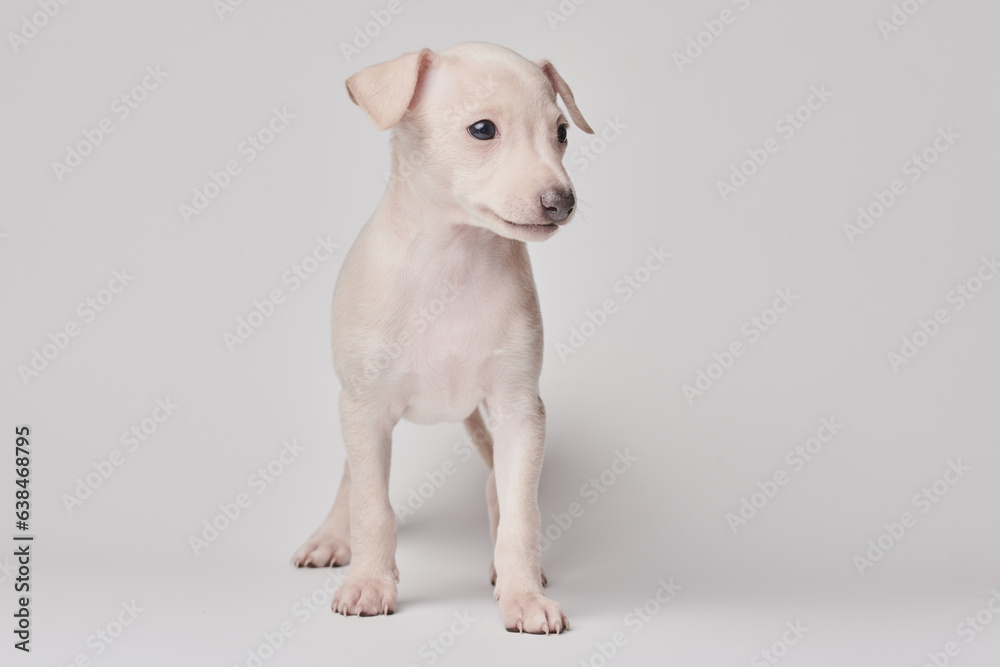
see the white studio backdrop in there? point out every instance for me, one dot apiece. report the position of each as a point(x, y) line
point(771, 359)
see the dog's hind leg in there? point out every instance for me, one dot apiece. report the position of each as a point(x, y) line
point(481, 438)
point(330, 544)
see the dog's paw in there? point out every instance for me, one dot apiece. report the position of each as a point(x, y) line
point(532, 613)
point(323, 551)
point(493, 575)
point(365, 596)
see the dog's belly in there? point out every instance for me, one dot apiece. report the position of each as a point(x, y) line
point(447, 379)
point(446, 391)
point(433, 409)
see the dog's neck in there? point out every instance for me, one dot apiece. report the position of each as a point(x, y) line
point(435, 242)
point(413, 212)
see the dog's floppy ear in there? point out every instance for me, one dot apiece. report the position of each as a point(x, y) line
point(561, 87)
point(386, 90)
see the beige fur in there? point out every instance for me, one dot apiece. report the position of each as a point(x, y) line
point(435, 311)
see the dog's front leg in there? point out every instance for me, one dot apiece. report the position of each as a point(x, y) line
point(519, 437)
point(370, 587)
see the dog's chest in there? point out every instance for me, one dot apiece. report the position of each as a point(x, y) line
point(458, 335)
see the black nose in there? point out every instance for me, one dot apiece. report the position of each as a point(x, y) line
point(558, 204)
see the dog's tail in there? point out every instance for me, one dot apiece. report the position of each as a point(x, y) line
point(480, 435)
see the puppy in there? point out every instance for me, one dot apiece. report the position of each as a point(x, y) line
point(435, 312)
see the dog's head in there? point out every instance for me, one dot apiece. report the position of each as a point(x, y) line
point(477, 129)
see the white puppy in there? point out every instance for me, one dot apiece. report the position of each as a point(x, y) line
point(435, 311)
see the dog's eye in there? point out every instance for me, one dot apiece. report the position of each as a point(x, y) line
point(484, 129)
point(561, 133)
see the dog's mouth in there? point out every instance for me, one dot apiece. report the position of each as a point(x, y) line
point(535, 231)
point(552, 226)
